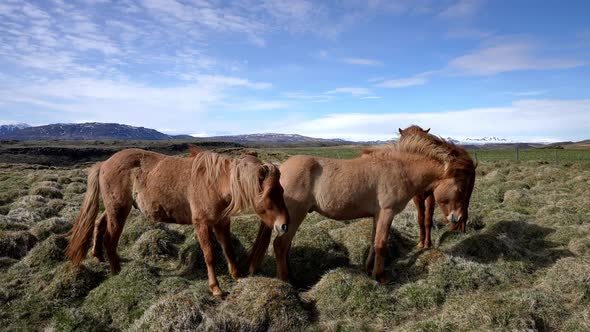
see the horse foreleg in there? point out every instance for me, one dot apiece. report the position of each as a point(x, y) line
point(222, 232)
point(381, 235)
point(204, 234)
point(419, 202)
point(282, 243)
point(371, 257)
point(100, 227)
point(429, 206)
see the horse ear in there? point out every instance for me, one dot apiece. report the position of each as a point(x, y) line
point(427, 130)
point(400, 130)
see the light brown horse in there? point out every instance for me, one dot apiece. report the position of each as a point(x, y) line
point(425, 202)
point(204, 190)
point(377, 184)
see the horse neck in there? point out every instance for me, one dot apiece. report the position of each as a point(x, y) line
point(421, 173)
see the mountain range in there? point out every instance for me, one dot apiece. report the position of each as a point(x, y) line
point(115, 131)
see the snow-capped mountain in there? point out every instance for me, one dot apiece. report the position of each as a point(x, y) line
point(10, 128)
point(274, 138)
point(84, 131)
point(484, 140)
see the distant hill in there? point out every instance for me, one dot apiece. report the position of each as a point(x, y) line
point(273, 138)
point(83, 131)
point(10, 128)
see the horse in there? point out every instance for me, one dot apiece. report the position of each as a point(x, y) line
point(204, 189)
point(377, 184)
point(425, 201)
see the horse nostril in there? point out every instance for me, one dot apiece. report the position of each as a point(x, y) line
point(284, 227)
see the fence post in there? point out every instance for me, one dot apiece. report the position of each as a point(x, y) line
point(556, 159)
point(517, 156)
point(475, 152)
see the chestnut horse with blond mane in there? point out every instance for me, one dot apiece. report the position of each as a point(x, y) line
point(204, 190)
point(378, 184)
point(425, 201)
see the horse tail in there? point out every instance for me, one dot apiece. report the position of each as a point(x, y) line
point(260, 247)
point(82, 231)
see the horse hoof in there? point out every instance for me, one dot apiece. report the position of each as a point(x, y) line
point(383, 279)
point(217, 291)
point(420, 245)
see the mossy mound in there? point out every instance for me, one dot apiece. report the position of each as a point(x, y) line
point(264, 304)
point(22, 215)
point(516, 197)
point(313, 252)
point(414, 297)
point(578, 321)
point(356, 238)
point(73, 319)
point(178, 312)
point(456, 274)
point(47, 252)
point(46, 228)
point(156, 244)
point(75, 188)
point(569, 277)
point(123, 298)
point(350, 295)
point(16, 244)
point(517, 310)
point(71, 282)
point(580, 247)
point(48, 191)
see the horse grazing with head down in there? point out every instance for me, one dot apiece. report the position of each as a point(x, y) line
point(204, 190)
point(377, 184)
point(425, 201)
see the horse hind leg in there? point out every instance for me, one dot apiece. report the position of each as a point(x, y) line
point(99, 230)
point(420, 207)
point(116, 218)
point(429, 213)
point(371, 256)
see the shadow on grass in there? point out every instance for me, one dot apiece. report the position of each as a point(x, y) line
point(511, 240)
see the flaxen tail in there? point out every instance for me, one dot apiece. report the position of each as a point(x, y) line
point(260, 246)
point(82, 232)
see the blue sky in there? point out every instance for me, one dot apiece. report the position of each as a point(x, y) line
point(349, 69)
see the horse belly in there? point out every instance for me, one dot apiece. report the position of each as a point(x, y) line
point(171, 210)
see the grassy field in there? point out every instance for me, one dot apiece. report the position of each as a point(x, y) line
point(524, 263)
point(548, 155)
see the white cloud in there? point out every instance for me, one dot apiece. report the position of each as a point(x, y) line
point(504, 57)
point(351, 91)
point(529, 118)
point(461, 9)
point(419, 79)
point(361, 61)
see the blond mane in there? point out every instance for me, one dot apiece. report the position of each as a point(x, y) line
point(244, 185)
point(414, 144)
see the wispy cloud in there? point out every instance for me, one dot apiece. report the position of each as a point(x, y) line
point(361, 61)
point(350, 90)
point(461, 9)
point(507, 56)
point(419, 79)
